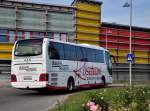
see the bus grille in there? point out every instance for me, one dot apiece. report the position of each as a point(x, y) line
point(54, 79)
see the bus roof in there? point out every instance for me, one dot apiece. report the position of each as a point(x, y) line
point(81, 45)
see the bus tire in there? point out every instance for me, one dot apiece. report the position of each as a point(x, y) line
point(103, 81)
point(70, 85)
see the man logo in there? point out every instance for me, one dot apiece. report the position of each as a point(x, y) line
point(27, 59)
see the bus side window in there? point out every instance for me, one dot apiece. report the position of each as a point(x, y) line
point(55, 51)
point(79, 54)
point(99, 56)
point(69, 51)
point(89, 55)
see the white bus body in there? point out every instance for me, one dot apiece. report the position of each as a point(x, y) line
point(46, 63)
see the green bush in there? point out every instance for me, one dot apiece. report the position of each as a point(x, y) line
point(126, 99)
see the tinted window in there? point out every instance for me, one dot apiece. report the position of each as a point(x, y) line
point(93, 55)
point(79, 54)
point(56, 51)
point(99, 56)
point(89, 55)
point(69, 51)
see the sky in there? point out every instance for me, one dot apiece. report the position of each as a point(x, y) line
point(114, 12)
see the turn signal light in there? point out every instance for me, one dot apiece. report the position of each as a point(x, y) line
point(43, 77)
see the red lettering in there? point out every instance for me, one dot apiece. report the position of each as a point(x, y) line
point(92, 71)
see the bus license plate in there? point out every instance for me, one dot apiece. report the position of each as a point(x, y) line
point(27, 78)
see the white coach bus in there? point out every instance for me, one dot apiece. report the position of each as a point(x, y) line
point(50, 64)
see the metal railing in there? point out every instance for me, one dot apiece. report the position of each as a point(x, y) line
point(140, 72)
point(5, 67)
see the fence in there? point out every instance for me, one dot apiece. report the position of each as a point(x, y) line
point(140, 72)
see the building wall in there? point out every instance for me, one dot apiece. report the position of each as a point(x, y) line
point(88, 21)
point(5, 51)
point(81, 23)
point(118, 43)
point(20, 20)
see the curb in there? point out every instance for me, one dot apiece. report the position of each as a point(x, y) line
point(60, 100)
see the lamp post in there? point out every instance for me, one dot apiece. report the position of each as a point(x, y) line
point(130, 44)
point(107, 33)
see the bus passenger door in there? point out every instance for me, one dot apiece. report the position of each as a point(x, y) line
point(108, 62)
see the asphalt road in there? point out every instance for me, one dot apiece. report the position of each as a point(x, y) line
point(12, 99)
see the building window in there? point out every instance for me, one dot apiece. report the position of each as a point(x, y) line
point(41, 35)
point(11, 36)
point(3, 36)
point(56, 36)
point(35, 34)
point(63, 37)
point(49, 35)
point(79, 54)
point(27, 35)
point(19, 35)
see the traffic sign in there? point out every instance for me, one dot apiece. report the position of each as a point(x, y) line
point(130, 57)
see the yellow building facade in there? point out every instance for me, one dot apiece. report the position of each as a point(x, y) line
point(88, 21)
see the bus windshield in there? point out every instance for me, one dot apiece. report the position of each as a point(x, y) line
point(29, 47)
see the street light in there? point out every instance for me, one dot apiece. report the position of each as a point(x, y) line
point(107, 33)
point(130, 44)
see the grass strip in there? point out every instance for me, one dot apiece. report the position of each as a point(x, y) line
point(76, 100)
